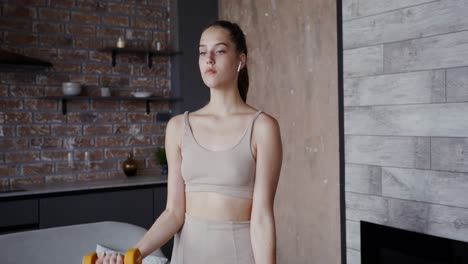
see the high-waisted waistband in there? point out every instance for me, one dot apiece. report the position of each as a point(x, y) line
point(215, 223)
point(212, 241)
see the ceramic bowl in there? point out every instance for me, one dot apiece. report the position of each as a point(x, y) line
point(71, 88)
point(141, 94)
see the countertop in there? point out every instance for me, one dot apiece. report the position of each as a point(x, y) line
point(50, 188)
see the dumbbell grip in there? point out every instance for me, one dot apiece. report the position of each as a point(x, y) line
point(132, 256)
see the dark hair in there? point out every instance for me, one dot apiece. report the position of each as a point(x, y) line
point(238, 37)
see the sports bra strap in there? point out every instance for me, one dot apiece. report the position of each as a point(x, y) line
point(188, 128)
point(252, 123)
point(186, 121)
point(248, 131)
point(256, 115)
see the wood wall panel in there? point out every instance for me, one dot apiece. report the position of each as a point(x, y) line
point(293, 74)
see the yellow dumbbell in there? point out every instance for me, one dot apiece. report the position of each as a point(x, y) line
point(132, 256)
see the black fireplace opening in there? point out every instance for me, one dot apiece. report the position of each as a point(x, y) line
point(387, 245)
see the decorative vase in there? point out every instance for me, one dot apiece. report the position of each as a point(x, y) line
point(129, 166)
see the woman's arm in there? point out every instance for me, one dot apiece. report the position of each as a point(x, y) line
point(172, 218)
point(269, 158)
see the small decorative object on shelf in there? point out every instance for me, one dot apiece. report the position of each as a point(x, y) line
point(129, 166)
point(71, 88)
point(164, 116)
point(87, 161)
point(105, 91)
point(120, 42)
point(71, 162)
point(149, 52)
point(141, 94)
point(160, 155)
point(156, 45)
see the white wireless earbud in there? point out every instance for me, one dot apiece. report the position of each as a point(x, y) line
point(239, 67)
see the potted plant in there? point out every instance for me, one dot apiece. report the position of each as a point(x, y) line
point(160, 155)
point(105, 92)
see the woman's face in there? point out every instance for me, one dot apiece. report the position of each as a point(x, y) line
point(218, 58)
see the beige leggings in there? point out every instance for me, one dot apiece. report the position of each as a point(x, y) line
point(202, 241)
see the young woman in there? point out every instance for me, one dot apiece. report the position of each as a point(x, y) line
point(224, 162)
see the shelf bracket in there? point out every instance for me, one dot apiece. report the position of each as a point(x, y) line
point(114, 53)
point(150, 61)
point(147, 107)
point(64, 106)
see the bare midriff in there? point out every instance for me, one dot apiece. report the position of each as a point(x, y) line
point(214, 206)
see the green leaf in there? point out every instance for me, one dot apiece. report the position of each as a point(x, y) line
point(160, 155)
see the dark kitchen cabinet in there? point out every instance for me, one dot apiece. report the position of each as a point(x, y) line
point(19, 215)
point(129, 206)
point(139, 205)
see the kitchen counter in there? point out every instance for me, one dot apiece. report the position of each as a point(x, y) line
point(51, 188)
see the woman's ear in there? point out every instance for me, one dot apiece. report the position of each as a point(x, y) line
point(243, 61)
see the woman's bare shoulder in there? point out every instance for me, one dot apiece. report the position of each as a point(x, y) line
point(179, 118)
point(174, 129)
point(175, 123)
point(266, 130)
point(266, 134)
point(266, 123)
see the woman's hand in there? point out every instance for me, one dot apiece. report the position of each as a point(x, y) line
point(110, 258)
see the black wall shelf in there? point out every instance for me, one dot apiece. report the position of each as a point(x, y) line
point(149, 53)
point(147, 100)
point(8, 58)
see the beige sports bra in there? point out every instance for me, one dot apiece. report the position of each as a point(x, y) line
point(230, 172)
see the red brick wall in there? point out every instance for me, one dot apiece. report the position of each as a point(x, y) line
point(35, 137)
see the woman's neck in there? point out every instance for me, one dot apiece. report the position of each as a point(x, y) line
point(225, 101)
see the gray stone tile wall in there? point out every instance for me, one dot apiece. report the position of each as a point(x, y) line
point(450, 154)
point(438, 120)
point(430, 186)
point(442, 51)
point(407, 23)
point(403, 88)
point(363, 179)
point(363, 61)
point(406, 117)
point(434, 219)
point(457, 85)
point(353, 256)
point(403, 152)
point(353, 9)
